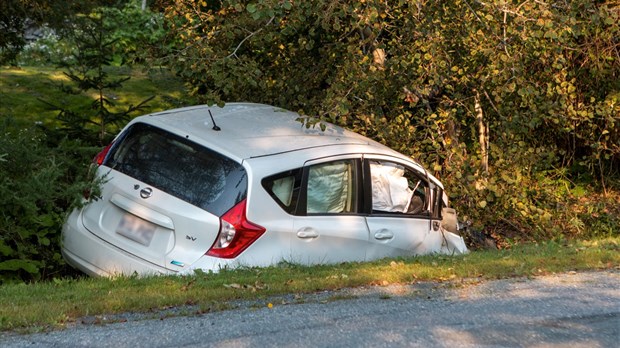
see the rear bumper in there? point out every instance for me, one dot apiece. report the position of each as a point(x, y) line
point(95, 257)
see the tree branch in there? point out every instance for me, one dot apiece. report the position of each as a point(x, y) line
point(234, 53)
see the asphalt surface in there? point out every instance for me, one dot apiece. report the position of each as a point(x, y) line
point(564, 310)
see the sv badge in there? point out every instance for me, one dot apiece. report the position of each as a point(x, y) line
point(193, 239)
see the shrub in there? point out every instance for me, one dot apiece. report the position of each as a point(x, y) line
point(506, 102)
point(40, 178)
point(135, 34)
point(49, 48)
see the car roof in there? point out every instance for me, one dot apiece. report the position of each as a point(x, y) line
point(249, 130)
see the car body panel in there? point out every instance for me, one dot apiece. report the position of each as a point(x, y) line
point(182, 231)
point(258, 130)
point(328, 239)
point(96, 257)
point(392, 236)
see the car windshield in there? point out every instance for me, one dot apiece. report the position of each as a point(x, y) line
point(179, 167)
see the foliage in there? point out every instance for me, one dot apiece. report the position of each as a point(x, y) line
point(42, 172)
point(48, 48)
point(136, 34)
point(16, 16)
point(40, 178)
point(509, 103)
point(94, 51)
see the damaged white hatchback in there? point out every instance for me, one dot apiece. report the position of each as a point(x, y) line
point(247, 185)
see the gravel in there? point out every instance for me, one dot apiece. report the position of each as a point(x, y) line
point(567, 310)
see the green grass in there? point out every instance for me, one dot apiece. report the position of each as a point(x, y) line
point(54, 304)
point(23, 88)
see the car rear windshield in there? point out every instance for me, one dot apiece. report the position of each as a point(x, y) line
point(179, 167)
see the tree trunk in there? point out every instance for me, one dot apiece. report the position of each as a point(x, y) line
point(483, 134)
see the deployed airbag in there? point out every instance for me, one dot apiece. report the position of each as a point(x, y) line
point(329, 188)
point(390, 189)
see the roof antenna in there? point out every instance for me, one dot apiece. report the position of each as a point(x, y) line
point(215, 127)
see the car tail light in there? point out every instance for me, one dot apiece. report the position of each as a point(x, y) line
point(236, 233)
point(98, 160)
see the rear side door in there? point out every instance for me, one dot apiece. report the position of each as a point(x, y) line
point(327, 224)
point(401, 209)
point(163, 196)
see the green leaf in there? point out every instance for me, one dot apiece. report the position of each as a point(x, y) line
point(46, 220)
point(44, 241)
point(251, 8)
point(5, 250)
point(15, 264)
point(551, 34)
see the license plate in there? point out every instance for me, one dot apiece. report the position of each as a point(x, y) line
point(136, 229)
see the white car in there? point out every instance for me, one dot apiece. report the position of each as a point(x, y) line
point(248, 185)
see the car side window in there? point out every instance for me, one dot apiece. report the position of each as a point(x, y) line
point(332, 188)
point(284, 188)
point(398, 189)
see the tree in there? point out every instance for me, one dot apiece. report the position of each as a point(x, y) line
point(490, 95)
point(86, 70)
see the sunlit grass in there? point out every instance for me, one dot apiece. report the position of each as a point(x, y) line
point(56, 303)
point(23, 90)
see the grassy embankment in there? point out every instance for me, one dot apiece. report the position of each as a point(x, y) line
point(57, 303)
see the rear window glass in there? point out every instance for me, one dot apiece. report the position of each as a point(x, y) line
point(179, 167)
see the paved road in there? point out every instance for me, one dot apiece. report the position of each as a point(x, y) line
point(566, 310)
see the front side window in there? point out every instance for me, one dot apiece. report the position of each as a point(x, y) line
point(397, 189)
point(179, 167)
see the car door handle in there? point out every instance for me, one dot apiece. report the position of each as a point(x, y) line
point(384, 234)
point(307, 234)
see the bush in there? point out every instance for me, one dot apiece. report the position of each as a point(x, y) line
point(134, 35)
point(40, 178)
point(49, 48)
point(507, 103)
